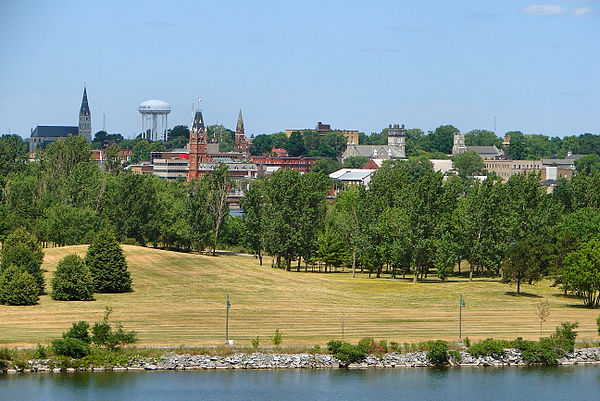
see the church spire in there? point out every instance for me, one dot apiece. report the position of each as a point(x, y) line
point(241, 143)
point(85, 108)
point(239, 129)
point(85, 118)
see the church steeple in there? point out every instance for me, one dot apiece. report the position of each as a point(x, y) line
point(85, 118)
point(239, 129)
point(241, 143)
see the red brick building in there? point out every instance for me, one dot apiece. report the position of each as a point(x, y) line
point(302, 164)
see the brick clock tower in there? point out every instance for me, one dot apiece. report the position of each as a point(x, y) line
point(197, 146)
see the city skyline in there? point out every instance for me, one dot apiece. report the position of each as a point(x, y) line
point(288, 65)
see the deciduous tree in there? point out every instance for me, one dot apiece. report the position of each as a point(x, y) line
point(581, 272)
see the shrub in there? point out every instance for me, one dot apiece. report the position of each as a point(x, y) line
point(80, 331)
point(333, 346)
point(383, 345)
point(467, 342)
point(564, 337)
point(107, 264)
point(277, 338)
point(18, 287)
point(348, 353)
point(315, 350)
point(438, 353)
point(69, 346)
point(539, 352)
point(104, 335)
point(424, 345)
point(72, 280)
point(255, 342)
point(394, 346)
point(488, 347)
point(455, 355)
point(6, 354)
point(369, 346)
point(40, 352)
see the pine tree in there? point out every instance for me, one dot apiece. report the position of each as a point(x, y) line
point(23, 250)
point(107, 264)
point(72, 280)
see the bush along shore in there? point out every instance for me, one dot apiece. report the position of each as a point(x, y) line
point(101, 347)
point(263, 360)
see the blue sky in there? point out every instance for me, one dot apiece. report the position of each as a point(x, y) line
point(288, 64)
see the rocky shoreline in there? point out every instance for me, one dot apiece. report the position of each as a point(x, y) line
point(260, 360)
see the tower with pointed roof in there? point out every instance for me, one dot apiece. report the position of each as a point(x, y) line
point(85, 118)
point(241, 143)
point(197, 146)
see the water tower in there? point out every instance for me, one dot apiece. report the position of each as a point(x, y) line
point(154, 119)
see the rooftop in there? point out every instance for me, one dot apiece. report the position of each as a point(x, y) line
point(54, 131)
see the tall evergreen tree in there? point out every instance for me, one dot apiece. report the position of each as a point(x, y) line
point(107, 264)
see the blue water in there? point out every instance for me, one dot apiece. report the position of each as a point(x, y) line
point(560, 383)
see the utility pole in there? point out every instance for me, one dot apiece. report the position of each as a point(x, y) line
point(227, 321)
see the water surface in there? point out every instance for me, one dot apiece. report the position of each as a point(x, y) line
point(559, 383)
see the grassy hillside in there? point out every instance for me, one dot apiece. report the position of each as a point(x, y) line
point(180, 298)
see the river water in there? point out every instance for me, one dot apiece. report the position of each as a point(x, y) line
point(559, 383)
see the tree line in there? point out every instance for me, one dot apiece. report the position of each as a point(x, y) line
point(410, 221)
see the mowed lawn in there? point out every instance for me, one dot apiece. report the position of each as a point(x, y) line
point(179, 298)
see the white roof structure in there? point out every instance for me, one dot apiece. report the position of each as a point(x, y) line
point(154, 119)
point(154, 106)
point(441, 165)
point(353, 175)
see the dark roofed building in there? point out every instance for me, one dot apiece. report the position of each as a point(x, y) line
point(486, 152)
point(45, 134)
point(42, 135)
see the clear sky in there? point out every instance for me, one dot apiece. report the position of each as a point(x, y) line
point(288, 64)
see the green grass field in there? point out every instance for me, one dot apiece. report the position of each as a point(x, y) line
point(179, 298)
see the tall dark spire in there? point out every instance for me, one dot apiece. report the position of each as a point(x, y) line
point(198, 123)
point(85, 108)
point(85, 118)
point(239, 130)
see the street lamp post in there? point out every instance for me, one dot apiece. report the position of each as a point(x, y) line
point(227, 321)
point(461, 303)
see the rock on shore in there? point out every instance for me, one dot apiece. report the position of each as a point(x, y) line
point(260, 360)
